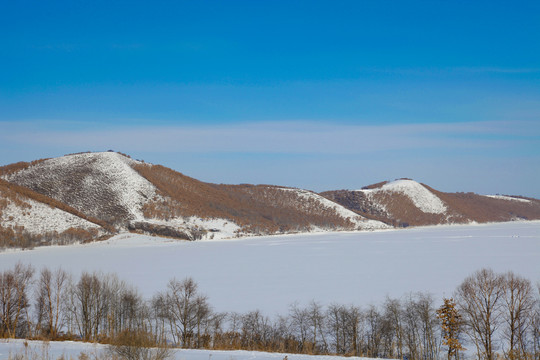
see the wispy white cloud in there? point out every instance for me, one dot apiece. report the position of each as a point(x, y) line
point(486, 157)
point(283, 137)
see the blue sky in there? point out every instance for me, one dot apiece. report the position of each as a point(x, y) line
point(314, 94)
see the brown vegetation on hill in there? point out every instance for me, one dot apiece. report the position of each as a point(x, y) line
point(461, 207)
point(402, 211)
point(21, 165)
point(393, 208)
point(258, 209)
point(487, 209)
point(80, 188)
point(358, 202)
point(69, 185)
point(18, 236)
point(287, 208)
point(12, 192)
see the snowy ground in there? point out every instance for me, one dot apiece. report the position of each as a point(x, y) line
point(71, 350)
point(270, 273)
point(41, 218)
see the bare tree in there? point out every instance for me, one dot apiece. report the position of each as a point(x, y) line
point(316, 319)
point(518, 307)
point(411, 328)
point(50, 294)
point(429, 324)
point(479, 298)
point(535, 325)
point(393, 312)
point(299, 324)
point(186, 308)
point(125, 308)
point(354, 317)
point(203, 313)
point(256, 330)
point(88, 305)
point(374, 325)
point(160, 316)
point(335, 317)
point(14, 301)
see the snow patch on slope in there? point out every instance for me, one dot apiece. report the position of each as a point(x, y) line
point(107, 169)
point(421, 197)
point(215, 228)
point(358, 220)
point(133, 189)
point(41, 218)
point(508, 198)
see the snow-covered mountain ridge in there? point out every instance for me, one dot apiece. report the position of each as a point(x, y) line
point(81, 197)
point(405, 202)
point(129, 195)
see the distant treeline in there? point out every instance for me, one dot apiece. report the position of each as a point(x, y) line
point(494, 315)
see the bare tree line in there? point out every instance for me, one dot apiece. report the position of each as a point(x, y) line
point(499, 316)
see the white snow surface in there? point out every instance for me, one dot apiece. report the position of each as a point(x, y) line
point(40, 218)
point(509, 198)
point(217, 228)
point(131, 188)
point(421, 197)
point(270, 273)
point(359, 221)
point(71, 350)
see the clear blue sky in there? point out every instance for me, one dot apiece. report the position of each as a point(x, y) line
point(314, 94)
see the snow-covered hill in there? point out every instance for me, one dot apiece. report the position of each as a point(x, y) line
point(36, 217)
point(405, 202)
point(103, 185)
point(418, 194)
point(91, 195)
point(130, 195)
point(307, 198)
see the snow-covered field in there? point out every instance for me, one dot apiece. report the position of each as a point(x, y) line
point(270, 273)
point(71, 350)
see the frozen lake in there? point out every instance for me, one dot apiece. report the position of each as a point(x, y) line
point(270, 273)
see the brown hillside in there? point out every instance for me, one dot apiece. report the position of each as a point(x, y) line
point(19, 237)
point(13, 168)
point(486, 209)
point(359, 203)
point(397, 209)
point(13, 192)
point(78, 181)
point(260, 209)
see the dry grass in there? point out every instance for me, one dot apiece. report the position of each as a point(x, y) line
point(18, 237)
point(13, 168)
point(259, 209)
point(462, 207)
point(485, 209)
point(15, 192)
